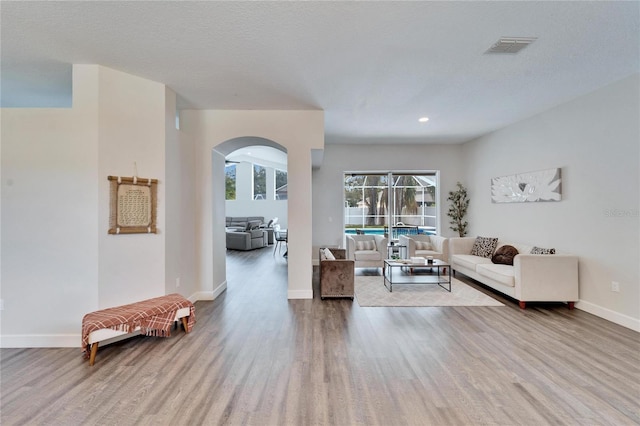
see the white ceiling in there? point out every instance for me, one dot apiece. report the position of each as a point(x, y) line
point(262, 155)
point(373, 67)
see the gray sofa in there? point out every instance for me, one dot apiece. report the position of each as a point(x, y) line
point(242, 221)
point(246, 240)
point(239, 223)
point(245, 233)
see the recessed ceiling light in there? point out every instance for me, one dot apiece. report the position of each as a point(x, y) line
point(423, 119)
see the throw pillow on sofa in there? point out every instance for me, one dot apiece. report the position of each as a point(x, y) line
point(423, 245)
point(365, 245)
point(504, 255)
point(328, 255)
point(484, 246)
point(539, 250)
point(253, 224)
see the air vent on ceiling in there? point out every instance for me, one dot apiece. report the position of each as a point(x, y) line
point(511, 44)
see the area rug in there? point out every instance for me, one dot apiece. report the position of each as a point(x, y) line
point(370, 291)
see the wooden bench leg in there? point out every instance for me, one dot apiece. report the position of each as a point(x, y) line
point(522, 304)
point(571, 305)
point(94, 352)
point(184, 324)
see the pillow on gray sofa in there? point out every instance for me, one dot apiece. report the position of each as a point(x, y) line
point(484, 246)
point(504, 255)
point(423, 245)
point(253, 224)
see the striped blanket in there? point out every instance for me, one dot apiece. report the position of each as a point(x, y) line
point(154, 317)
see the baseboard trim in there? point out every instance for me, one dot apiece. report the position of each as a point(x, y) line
point(218, 290)
point(41, 341)
point(300, 294)
point(608, 314)
point(208, 295)
point(74, 340)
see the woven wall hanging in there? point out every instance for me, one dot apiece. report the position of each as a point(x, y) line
point(132, 205)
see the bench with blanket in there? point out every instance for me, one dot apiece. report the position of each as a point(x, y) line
point(152, 317)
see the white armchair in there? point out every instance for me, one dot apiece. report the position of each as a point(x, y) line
point(423, 245)
point(368, 251)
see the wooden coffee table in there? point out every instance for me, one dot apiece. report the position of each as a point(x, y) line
point(406, 271)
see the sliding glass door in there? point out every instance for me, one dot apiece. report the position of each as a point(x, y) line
point(386, 202)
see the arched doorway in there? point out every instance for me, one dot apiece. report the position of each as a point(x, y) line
point(214, 134)
point(255, 186)
point(248, 156)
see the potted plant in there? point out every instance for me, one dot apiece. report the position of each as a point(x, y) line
point(458, 210)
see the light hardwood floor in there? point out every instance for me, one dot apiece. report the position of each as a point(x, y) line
point(256, 358)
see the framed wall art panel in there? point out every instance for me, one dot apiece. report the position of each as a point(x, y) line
point(132, 205)
point(542, 185)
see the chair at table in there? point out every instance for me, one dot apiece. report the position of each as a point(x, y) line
point(280, 237)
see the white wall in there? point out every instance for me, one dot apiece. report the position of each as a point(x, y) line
point(50, 219)
point(298, 132)
point(187, 224)
point(266, 208)
point(595, 140)
point(131, 129)
point(213, 266)
point(180, 256)
point(244, 181)
point(58, 261)
point(328, 183)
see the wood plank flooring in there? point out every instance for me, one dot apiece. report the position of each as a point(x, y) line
point(255, 358)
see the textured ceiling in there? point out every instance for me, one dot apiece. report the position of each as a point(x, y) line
point(262, 155)
point(373, 67)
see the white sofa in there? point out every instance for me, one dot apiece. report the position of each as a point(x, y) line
point(372, 258)
point(532, 278)
point(439, 246)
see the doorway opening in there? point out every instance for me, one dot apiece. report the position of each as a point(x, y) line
point(255, 205)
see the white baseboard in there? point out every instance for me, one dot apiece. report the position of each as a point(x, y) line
point(300, 294)
point(41, 341)
point(608, 314)
point(218, 290)
point(74, 340)
point(208, 295)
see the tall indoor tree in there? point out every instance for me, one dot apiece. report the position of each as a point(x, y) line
point(458, 209)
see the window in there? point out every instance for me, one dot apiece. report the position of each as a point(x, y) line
point(230, 181)
point(281, 185)
point(382, 200)
point(414, 200)
point(259, 182)
point(366, 200)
